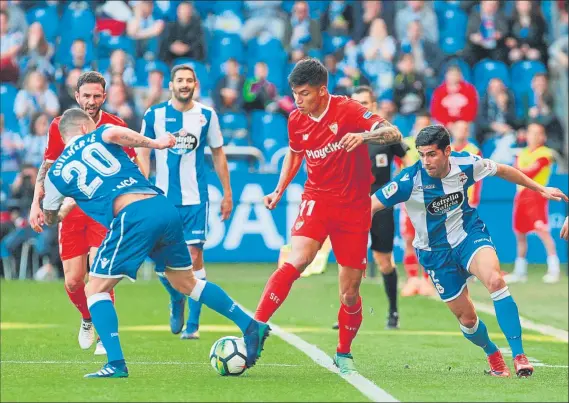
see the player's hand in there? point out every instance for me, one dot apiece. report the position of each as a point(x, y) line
point(565, 230)
point(167, 141)
point(226, 207)
point(271, 200)
point(554, 194)
point(36, 217)
point(351, 141)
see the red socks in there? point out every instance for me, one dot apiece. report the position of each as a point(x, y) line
point(276, 291)
point(349, 321)
point(79, 299)
point(411, 265)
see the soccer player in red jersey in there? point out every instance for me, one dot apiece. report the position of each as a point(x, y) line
point(329, 132)
point(79, 235)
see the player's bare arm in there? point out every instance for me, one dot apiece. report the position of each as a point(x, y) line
point(129, 138)
point(51, 217)
point(565, 229)
point(36, 217)
point(384, 134)
point(376, 205)
point(291, 165)
point(222, 170)
point(517, 177)
point(143, 156)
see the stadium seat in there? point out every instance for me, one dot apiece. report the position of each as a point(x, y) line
point(331, 44)
point(8, 94)
point(452, 28)
point(268, 132)
point(464, 68)
point(48, 18)
point(234, 127)
point(204, 8)
point(521, 75)
point(223, 46)
point(317, 7)
point(63, 51)
point(404, 123)
point(77, 22)
point(166, 10)
point(108, 43)
point(143, 67)
point(201, 72)
point(487, 69)
point(234, 6)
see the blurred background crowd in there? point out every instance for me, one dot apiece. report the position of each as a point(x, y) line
point(485, 69)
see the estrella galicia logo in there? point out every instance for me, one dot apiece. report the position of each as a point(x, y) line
point(443, 204)
point(185, 142)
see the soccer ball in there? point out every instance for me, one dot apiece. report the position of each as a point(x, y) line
point(228, 356)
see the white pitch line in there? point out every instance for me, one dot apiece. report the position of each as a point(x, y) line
point(132, 363)
point(547, 330)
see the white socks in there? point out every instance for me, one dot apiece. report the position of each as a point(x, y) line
point(521, 266)
point(553, 265)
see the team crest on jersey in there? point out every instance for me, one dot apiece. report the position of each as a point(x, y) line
point(462, 178)
point(444, 204)
point(305, 136)
point(203, 120)
point(298, 224)
point(334, 127)
point(186, 142)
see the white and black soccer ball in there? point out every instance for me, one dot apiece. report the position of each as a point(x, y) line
point(228, 356)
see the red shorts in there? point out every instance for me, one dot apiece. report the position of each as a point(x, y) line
point(78, 233)
point(530, 212)
point(347, 227)
point(406, 228)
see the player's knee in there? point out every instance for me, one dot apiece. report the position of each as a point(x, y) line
point(74, 284)
point(349, 297)
point(468, 320)
point(495, 282)
point(385, 265)
point(301, 261)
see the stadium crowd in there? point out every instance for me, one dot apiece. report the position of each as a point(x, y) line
point(489, 68)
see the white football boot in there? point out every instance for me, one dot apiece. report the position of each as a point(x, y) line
point(86, 334)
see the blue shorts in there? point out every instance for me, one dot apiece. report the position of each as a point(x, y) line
point(194, 220)
point(448, 269)
point(149, 227)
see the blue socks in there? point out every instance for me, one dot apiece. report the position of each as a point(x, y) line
point(193, 323)
point(106, 323)
point(215, 298)
point(479, 335)
point(175, 295)
point(508, 319)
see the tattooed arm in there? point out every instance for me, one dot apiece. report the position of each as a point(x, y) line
point(36, 217)
point(129, 138)
point(384, 133)
point(52, 203)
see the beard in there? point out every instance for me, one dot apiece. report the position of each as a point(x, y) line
point(184, 98)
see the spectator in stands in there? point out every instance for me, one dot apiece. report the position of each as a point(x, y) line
point(558, 55)
point(454, 99)
point(334, 73)
point(145, 97)
point(78, 60)
point(145, 29)
point(378, 46)
point(36, 96)
point(427, 55)
point(17, 21)
point(338, 19)
point(10, 45)
point(387, 109)
point(258, 91)
point(352, 78)
point(183, 37)
point(497, 113)
point(541, 111)
point(527, 31)
point(118, 104)
point(408, 87)
point(121, 67)
point(12, 145)
point(302, 33)
point(67, 90)
point(417, 10)
point(460, 141)
point(263, 16)
point(371, 10)
point(485, 33)
point(36, 142)
point(228, 92)
point(37, 51)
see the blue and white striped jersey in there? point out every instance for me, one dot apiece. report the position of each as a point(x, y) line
point(181, 170)
point(438, 208)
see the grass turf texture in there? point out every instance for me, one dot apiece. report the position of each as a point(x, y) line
point(426, 360)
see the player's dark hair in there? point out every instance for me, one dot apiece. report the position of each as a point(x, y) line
point(365, 89)
point(71, 119)
point(435, 134)
point(422, 113)
point(91, 77)
point(181, 67)
point(308, 71)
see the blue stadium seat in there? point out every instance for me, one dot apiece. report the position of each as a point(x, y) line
point(234, 127)
point(63, 51)
point(487, 69)
point(234, 6)
point(201, 72)
point(108, 43)
point(143, 67)
point(464, 67)
point(404, 123)
point(223, 46)
point(166, 10)
point(204, 8)
point(268, 131)
point(8, 94)
point(103, 64)
point(452, 27)
point(48, 18)
point(77, 23)
point(316, 7)
point(331, 44)
point(521, 74)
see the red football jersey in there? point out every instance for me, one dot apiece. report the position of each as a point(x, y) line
point(55, 144)
point(333, 173)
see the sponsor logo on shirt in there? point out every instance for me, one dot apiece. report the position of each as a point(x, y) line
point(368, 115)
point(322, 153)
point(381, 160)
point(390, 189)
point(186, 142)
point(125, 183)
point(443, 204)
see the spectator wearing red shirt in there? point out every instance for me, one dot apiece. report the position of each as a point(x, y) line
point(454, 99)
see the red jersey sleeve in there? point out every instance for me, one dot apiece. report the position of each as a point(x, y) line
point(363, 119)
point(294, 138)
point(55, 144)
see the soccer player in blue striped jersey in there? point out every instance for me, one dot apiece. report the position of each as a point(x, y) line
point(95, 171)
point(181, 175)
point(452, 242)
